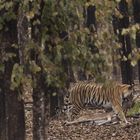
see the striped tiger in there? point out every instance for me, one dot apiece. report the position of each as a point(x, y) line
point(106, 95)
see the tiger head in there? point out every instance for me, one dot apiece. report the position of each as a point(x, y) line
point(127, 90)
point(128, 96)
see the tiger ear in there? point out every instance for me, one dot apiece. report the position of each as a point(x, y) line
point(131, 86)
point(127, 87)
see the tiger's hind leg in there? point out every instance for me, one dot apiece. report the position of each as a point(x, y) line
point(76, 110)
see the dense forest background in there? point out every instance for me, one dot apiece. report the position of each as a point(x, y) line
point(47, 44)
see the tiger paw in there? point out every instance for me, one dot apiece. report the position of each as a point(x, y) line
point(126, 124)
point(65, 123)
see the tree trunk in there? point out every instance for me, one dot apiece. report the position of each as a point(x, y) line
point(39, 109)
point(90, 23)
point(66, 63)
point(119, 24)
point(23, 36)
point(136, 13)
point(2, 110)
point(11, 108)
point(90, 18)
point(15, 124)
point(39, 120)
point(53, 101)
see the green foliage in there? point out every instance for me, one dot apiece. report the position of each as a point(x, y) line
point(134, 110)
point(67, 16)
point(17, 76)
point(55, 17)
point(34, 68)
point(1, 68)
point(7, 11)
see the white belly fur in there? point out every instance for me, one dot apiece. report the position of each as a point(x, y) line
point(107, 105)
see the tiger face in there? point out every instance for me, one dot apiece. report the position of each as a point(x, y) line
point(127, 90)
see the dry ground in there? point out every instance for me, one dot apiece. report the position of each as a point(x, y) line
point(89, 131)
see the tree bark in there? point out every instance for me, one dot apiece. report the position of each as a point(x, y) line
point(23, 36)
point(39, 109)
point(12, 109)
point(136, 13)
point(39, 120)
point(119, 24)
point(14, 113)
point(2, 110)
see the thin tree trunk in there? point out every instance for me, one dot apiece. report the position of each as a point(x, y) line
point(2, 110)
point(39, 120)
point(23, 37)
point(136, 13)
point(90, 22)
point(66, 63)
point(53, 101)
point(119, 24)
point(39, 109)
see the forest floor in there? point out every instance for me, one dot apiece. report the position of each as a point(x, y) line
point(89, 131)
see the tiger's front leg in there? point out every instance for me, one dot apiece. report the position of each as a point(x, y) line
point(119, 111)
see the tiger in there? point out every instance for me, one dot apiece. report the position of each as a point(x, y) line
point(106, 95)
